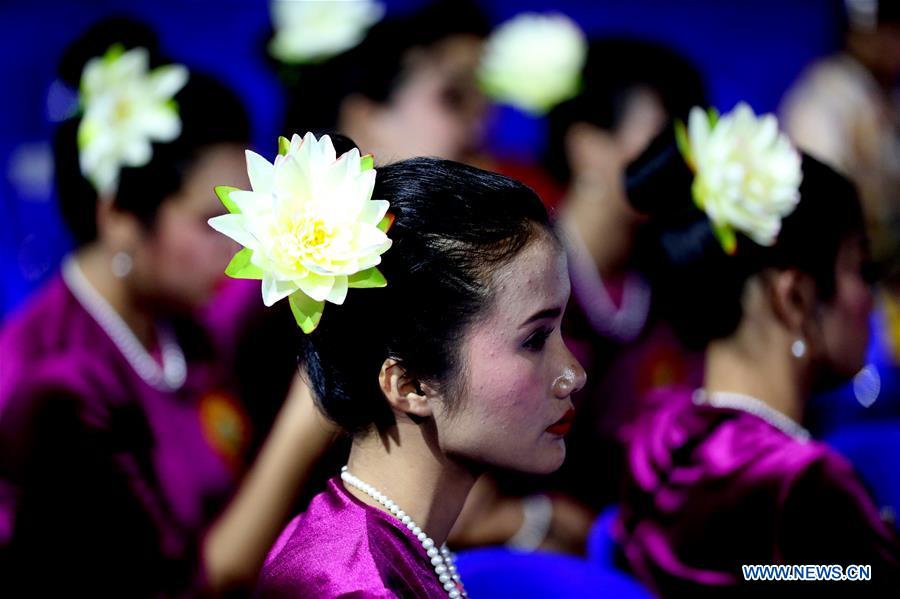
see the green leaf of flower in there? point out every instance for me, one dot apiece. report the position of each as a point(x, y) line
point(727, 237)
point(713, 115)
point(367, 279)
point(385, 225)
point(366, 163)
point(697, 191)
point(684, 146)
point(113, 53)
point(284, 144)
point(307, 311)
point(224, 193)
point(240, 266)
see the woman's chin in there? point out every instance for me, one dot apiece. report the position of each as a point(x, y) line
point(548, 460)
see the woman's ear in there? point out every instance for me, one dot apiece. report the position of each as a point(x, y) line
point(404, 393)
point(793, 296)
point(356, 114)
point(119, 231)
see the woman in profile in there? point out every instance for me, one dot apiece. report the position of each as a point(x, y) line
point(765, 268)
point(452, 365)
point(122, 438)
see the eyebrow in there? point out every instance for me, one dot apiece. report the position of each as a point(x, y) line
point(545, 313)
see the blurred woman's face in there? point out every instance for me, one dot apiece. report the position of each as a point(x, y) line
point(514, 406)
point(182, 261)
point(844, 320)
point(438, 109)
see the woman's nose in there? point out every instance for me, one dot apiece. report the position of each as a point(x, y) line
point(571, 380)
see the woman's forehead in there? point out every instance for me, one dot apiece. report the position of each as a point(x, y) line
point(535, 279)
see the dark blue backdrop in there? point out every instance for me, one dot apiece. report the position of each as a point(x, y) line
point(748, 49)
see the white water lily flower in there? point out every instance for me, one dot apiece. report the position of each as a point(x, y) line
point(126, 108)
point(534, 61)
point(309, 226)
point(315, 30)
point(747, 173)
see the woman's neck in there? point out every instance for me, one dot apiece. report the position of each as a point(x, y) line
point(772, 377)
point(94, 262)
point(606, 232)
point(427, 485)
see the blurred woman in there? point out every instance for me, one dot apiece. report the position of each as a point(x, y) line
point(409, 89)
point(769, 276)
point(631, 90)
point(122, 438)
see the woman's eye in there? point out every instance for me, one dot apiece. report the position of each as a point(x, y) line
point(536, 341)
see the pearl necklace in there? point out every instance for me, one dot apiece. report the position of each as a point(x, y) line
point(441, 558)
point(752, 405)
point(174, 369)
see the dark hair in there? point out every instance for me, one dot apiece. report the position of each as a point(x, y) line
point(613, 71)
point(377, 66)
point(210, 114)
point(454, 226)
point(698, 285)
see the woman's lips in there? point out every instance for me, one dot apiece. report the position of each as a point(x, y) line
point(562, 426)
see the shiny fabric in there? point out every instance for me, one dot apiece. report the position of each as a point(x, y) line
point(710, 489)
point(107, 484)
point(342, 547)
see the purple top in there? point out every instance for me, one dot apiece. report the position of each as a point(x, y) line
point(107, 483)
point(342, 547)
point(710, 489)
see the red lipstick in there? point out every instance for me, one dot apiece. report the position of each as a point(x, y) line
point(562, 426)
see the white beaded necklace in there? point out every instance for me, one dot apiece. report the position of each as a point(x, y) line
point(752, 405)
point(174, 369)
point(441, 558)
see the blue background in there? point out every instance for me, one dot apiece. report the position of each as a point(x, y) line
point(748, 50)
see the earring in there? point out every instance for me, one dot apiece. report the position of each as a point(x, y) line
point(121, 264)
point(798, 348)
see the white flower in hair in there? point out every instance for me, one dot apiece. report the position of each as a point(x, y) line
point(309, 227)
point(315, 30)
point(746, 173)
point(126, 108)
point(534, 61)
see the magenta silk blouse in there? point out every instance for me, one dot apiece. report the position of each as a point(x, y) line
point(711, 489)
point(342, 547)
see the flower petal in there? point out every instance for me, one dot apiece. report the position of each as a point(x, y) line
point(233, 226)
point(260, 171)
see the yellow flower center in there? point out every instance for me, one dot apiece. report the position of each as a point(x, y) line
point(123, 110)
point(302, 240)
point(317, 236)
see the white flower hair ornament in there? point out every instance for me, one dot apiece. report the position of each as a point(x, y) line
point(746, 173)
point(125, 108)
point(534, 61)
point(313, 31)
point(309, 226)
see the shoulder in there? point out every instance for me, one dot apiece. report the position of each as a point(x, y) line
point(829, 477)
point(54, 351)
point(324, 552)
point(827, 516)
point(49, 330)
point(715, 445)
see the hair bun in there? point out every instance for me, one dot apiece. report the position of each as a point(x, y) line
point(97, 40)
point(659, 181)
